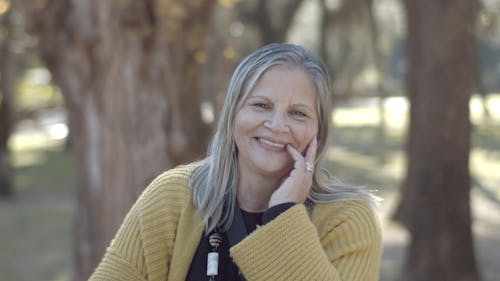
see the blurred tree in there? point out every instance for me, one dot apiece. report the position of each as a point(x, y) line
point(272, 29)
point(378, 64)
point(344, 42)
point(129, 72)
point(435, 200)
point(488, 28)
point(483, 23)
point(350, 44)
point(8, 71)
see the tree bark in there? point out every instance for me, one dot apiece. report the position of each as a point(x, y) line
point(272, 22)
point(129, 72)
point(378, 64)
point(8, 69)
point(345, 34)
point(435, 203)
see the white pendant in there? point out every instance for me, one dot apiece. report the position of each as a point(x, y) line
point(213, 264)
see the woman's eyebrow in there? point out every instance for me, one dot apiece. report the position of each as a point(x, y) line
point(297, 105)
point(304, 106)
point(257, 97)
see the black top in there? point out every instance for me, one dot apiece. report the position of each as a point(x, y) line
point(228, 271)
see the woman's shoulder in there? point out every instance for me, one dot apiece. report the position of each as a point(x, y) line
point(177, 176)
point(172, 185)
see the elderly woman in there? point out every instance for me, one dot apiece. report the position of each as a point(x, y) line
point(258, 206)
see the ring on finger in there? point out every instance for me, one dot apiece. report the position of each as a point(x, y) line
point(309, 167)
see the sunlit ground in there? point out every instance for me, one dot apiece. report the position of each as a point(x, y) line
point(35, 240)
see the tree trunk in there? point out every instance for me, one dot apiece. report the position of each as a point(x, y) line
point(378, 63)
point(323, 33)
point(275, 32)
point(272, 19)
point(129, 72)
point(8, 69)
point(435, 203)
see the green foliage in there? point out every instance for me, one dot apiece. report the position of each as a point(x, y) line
point(35, 92)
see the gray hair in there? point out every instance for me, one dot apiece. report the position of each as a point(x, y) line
point(214, 179)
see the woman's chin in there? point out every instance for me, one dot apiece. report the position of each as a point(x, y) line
point(276, 170)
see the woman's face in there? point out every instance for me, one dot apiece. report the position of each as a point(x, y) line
point(280, 110)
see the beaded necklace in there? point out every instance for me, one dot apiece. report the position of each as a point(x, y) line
point(215, 240)
point(235, 234)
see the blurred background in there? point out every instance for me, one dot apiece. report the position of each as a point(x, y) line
point(99, 97)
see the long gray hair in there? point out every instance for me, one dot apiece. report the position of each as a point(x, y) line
point(214, 179)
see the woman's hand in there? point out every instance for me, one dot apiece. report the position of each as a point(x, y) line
point(295, 188)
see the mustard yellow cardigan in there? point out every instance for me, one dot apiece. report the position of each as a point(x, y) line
point(334, 241)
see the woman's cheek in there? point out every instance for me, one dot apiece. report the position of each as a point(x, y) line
point(305, 135)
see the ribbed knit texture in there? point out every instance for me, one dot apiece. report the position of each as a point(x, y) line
point(336, 241)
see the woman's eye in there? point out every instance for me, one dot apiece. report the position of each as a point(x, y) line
point(298, 113)
point(261, 105)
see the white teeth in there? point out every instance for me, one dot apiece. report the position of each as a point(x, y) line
point(278, 145)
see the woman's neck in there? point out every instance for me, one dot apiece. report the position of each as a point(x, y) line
point(254, 191)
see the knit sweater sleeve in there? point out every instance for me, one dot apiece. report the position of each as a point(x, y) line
point(341, 241)
point(142, 247)
point(124, 258)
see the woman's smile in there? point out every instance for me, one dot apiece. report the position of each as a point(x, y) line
point(275, 146)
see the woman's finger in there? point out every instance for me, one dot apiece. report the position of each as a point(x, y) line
point(296, 156)
point(311, 151)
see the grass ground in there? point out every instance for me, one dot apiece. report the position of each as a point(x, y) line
point(35, 236)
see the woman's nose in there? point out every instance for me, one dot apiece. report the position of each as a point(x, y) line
point(278, 123)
